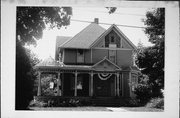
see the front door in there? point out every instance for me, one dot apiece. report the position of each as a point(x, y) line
point(103, 88)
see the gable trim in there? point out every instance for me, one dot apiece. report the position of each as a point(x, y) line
point(118, 33)
point(105, 58)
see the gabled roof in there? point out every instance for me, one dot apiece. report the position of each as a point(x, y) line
point(85, 38)
point(49, 62)
point(118, 31)
point(60, 40)
point(106, 65)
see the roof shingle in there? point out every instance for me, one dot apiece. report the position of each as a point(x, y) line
point(85, 38)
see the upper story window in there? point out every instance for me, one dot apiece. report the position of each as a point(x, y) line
point(112, 55)
point(112, 40)
point(80, 56)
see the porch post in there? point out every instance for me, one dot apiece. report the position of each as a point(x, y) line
point(91, 94)
point(39, 84)
point(75, 84)
point(62, 84)
point(58, 84)
point(122, 85)
point(117, 84)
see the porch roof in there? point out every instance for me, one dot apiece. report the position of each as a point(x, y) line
point(52, 64)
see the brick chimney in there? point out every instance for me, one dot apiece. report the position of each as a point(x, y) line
point(96, 20)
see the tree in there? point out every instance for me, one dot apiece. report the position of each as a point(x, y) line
point(151, 59)
point(30, 23)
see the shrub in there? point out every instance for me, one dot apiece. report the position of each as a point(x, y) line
point(38, 104)
point(132, 103)
point(156, 103)
point(143, 93)
point(72, 102)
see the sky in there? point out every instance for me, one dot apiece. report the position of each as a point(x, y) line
point(123, 16)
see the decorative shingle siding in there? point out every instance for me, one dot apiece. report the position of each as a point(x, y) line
point(124, 57)
point(99, 54)
point(70, 56)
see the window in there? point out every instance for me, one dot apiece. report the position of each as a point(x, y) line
point(112, 55)
point(112, 39)
point(79, 83)
point(80, 56)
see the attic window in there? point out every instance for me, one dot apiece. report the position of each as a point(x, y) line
point(112, 39)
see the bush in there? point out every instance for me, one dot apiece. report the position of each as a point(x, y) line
point(156, 103)
point(132, 103)
point(72, 102)
point(38, 104)
point(143, 93)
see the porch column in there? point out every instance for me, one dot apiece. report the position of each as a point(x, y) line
point(91, 83)
point(75, 84)
point(58, 84)
point(39, 84)
point(117, 84)
point(122, 85)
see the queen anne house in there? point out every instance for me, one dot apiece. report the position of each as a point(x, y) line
point(94, 63)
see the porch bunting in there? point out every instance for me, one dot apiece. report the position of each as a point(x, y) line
point(103, 67)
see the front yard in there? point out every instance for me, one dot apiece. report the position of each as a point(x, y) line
point(106, 109)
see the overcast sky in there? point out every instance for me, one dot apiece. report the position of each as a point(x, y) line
point(122, 16)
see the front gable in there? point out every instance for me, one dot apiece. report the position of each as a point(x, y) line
point(112, 36)
point(105, 65)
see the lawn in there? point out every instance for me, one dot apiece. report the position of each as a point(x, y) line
point(91, 108)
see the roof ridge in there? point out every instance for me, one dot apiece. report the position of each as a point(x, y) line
point(100, 36)
point(128, 40)
point(76, 35)
point(91, 25)
point(66, 41)
point(113, 25)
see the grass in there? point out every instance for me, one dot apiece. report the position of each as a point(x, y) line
point(91, 108)
point(142, 109)
point(70, 108)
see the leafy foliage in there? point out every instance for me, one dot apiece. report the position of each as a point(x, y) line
point(143, 92)
point(151, 59)
point(31, 21)
point(111, 9)
point(156, 103)
point(24, 78)
point(45, 82)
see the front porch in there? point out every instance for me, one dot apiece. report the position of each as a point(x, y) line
point(78, 83)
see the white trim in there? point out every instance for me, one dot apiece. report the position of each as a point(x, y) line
point(62, 84)
point(112, 48)
point(117, 76)
point(92, 83)
point(122, 85)
point(130, 87)
point(91, 55)
point(75, 84)
point(119, 32)
point(108, 61)
point(115, 86)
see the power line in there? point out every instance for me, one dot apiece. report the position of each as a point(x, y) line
point(115, 13)
point(109, 24)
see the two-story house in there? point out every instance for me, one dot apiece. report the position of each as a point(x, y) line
point(96, 62)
